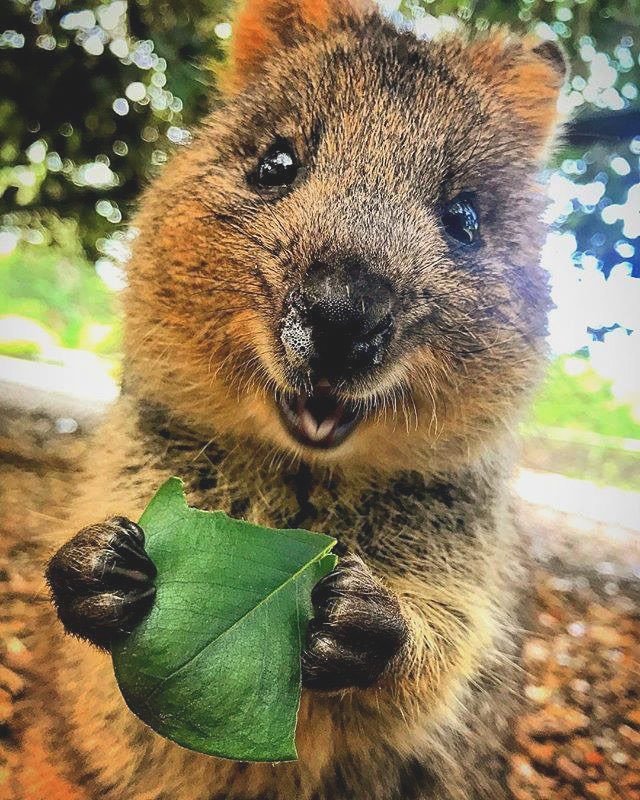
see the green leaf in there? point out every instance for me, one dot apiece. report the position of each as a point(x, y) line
point(215, 666)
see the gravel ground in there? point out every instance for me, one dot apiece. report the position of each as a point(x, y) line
point(579, 739)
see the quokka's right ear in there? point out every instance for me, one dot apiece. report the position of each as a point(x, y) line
point(263, 28)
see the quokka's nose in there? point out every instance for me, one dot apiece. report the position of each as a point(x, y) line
point(344, 319)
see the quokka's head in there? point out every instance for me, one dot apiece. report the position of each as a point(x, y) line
point(344, 261)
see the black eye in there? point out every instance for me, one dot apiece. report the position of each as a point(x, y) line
point(460, 218)
point(278, 167)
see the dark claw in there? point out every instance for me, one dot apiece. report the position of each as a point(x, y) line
point(131, 527)
point(131, 552)
point(102, 581)
point(135, 607)
point(357, 631)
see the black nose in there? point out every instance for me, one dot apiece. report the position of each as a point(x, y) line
point(340, 321)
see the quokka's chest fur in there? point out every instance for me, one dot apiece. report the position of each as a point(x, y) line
point(443, 543)
point(395, 519)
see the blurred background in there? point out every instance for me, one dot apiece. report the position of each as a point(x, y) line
point(94, 96)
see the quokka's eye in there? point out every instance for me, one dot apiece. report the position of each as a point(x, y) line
point(460, 218)
point(278, 167)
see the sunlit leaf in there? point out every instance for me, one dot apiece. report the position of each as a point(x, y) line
point(216, 664)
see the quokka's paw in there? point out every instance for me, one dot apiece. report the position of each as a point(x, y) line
point(357, 631)
point(102, 581)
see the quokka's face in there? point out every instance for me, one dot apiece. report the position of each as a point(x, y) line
point(346, 258)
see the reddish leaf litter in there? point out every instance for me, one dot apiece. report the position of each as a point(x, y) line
point(37, 471)
point(581, 737)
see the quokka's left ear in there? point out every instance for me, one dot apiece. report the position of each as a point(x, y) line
point(263, 28)
point(528, 73)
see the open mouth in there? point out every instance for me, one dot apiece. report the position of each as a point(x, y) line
point(319, 420)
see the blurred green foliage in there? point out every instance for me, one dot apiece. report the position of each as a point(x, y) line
point(605, 20)
point(95, 93)
point(575, 396)
point(57, 287)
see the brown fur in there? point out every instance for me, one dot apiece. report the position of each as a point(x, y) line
point(387, 127)
point(264, 26)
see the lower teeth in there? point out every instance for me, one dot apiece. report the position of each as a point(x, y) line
point(299, 416)
point(314, 431)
